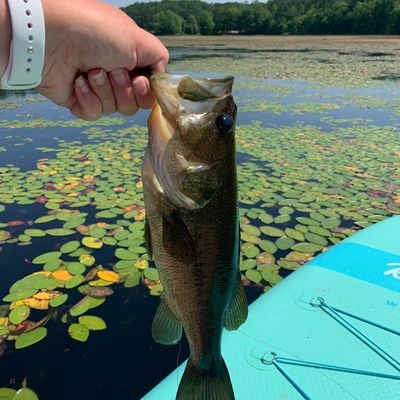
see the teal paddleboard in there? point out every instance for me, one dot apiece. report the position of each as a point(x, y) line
point(329, 331)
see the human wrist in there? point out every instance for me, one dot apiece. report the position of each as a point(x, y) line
point(5, 35)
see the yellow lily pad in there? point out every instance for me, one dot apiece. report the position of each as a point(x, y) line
point(92, 243)
point(108, 276)
point(62, 275)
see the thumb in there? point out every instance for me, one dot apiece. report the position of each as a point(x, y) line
point(150, 52)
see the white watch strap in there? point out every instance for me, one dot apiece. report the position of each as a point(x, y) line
point(25, 65)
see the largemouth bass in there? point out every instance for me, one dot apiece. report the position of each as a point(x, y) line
point(192, 224)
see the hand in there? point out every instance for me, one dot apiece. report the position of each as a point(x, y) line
point(90, 47)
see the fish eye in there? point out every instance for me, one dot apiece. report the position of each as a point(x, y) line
point(224, 124)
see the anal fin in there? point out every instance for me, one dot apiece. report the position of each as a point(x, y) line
point(166, 328)
point(237, 310)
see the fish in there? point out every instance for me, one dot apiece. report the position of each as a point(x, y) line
point(192, 224)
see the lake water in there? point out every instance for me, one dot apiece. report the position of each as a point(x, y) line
point(317, 161)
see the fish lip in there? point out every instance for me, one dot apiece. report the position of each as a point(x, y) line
point(164, 78)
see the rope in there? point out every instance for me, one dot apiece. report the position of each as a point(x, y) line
point(356, 332)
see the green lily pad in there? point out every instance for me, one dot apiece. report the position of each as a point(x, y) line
point(317, 239)
point(123, 254)
point(29, 338)
point(7, 393)
point(268, 246)
point(46, 257)
point(19, 314)
point(60, 232)
point(284, 243)
point(247, 264)
point(58, 301)
point(92, 243)
point(294, 234)
point(80, 308)
point(45, 219)
point(307, 247)
point(78, 332)
point(272, 231)
point(254, 275)
point(74, 282)
point(271, 278)
point(330, 223)
point(133, 279)
point(307, 221)
point(70, 247)
point(19, 295)
point(34, 232)
point(92, 323)
point(76, 268)
point(151, 273)
point(319, 231)
point(25, 394)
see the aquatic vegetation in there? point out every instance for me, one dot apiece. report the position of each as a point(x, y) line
point(301, 190)
point(335, 62)
point(258, 105)
point(24, 393)
point(4, 104)
point(46, 123)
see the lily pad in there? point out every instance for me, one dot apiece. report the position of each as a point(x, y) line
point(70, 247)
point(330, 223)
point(92, 323)
point(60, 232)
point(46, 257)
point(19, 314)
point(7, 393)
point(78, 332)
point(254, 275)
point(58, 301)
point(29, 338)
point(307, 247)
point(25, 394)
point(92, 243)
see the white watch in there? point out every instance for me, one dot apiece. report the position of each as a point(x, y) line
point(25, 65)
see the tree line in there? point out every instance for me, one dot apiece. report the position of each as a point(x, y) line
point(176, 17)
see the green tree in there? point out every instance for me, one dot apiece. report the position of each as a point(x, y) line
point(206, 23)
point(191, 25)
point(168, 23)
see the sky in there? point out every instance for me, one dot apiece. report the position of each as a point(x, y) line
point(123, 3)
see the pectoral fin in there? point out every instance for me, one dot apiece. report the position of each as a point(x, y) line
point(166, 328)
point(147, 238)
point(237, 310)
point(177, 240)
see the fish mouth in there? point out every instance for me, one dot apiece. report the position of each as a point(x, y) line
point(181, 94)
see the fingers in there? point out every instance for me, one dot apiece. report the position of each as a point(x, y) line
point(141, 87)
point(101, 93)
point(123, 91)
point(101, 86)
point(87, 106)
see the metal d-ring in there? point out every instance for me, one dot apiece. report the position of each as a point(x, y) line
point(269, 358)
point(317, 302)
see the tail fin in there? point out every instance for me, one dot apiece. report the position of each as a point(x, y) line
point(212, 384)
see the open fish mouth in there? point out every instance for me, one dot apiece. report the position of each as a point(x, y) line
point(177, 94)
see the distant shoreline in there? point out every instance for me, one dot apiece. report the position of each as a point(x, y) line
point(260, 41)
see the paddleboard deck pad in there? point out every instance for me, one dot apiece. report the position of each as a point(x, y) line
point(329, 331)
